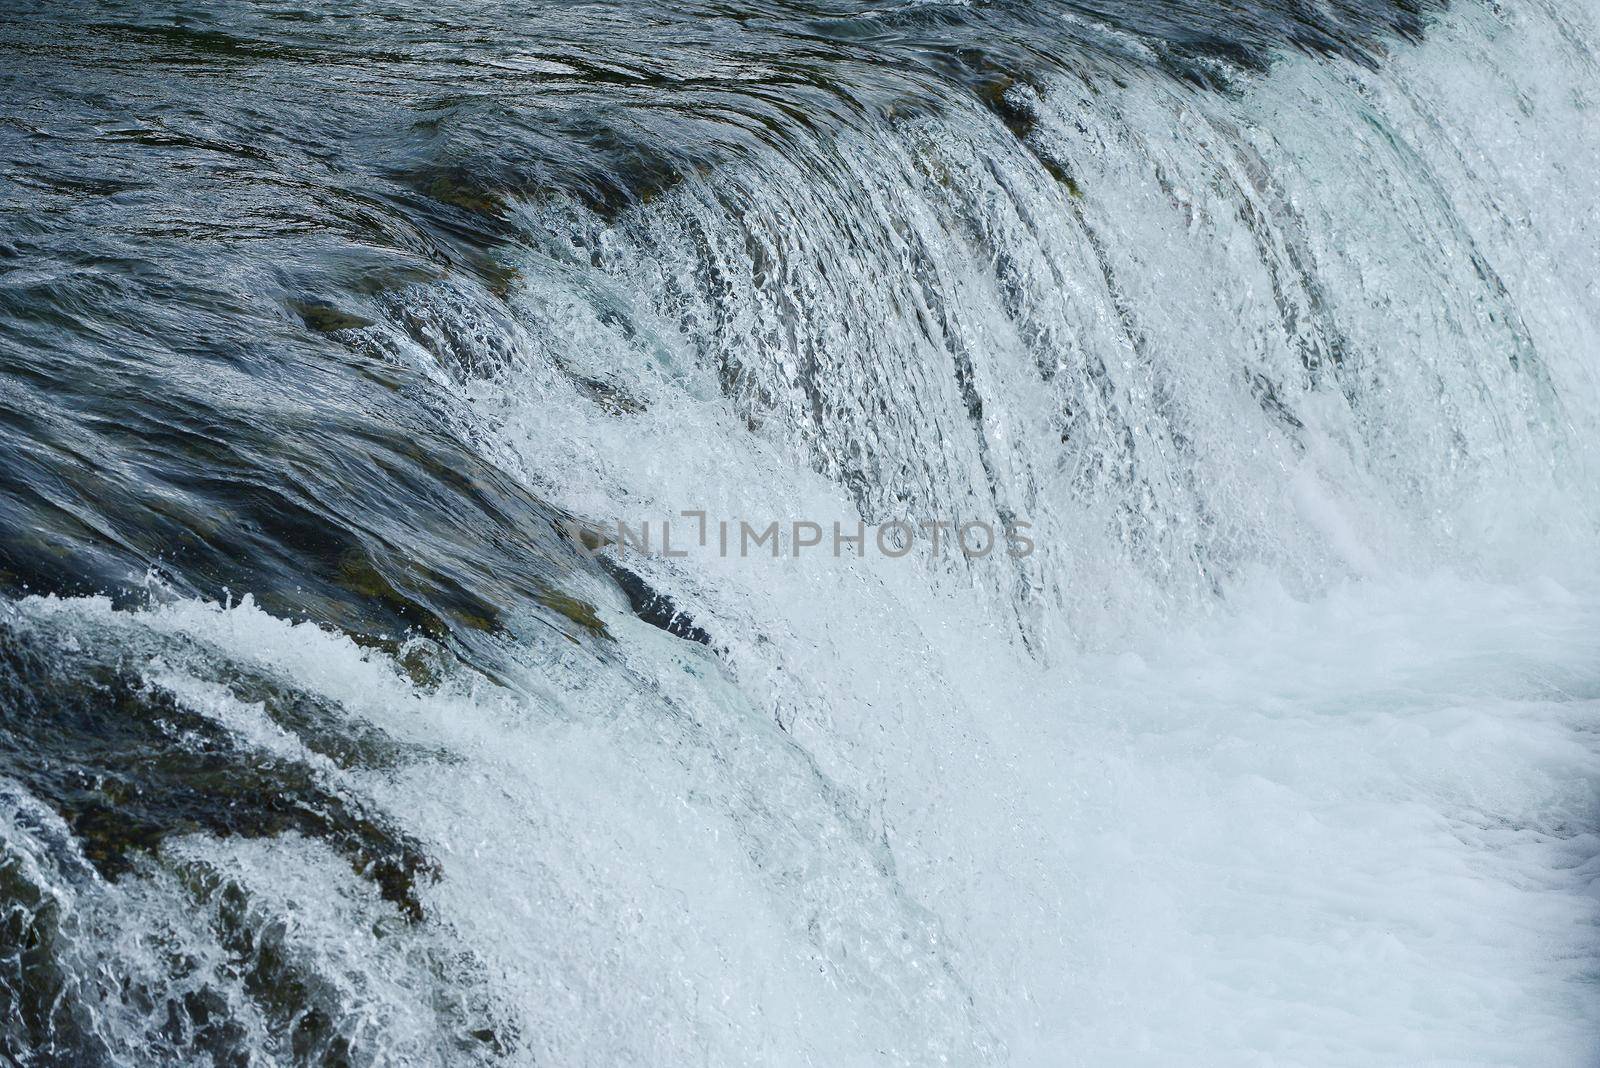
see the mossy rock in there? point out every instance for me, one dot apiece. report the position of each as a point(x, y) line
point(499, 278)
point(999, 94)
point(1059, 172)
point(460, 192)
point(327, 318)
point(580, 612)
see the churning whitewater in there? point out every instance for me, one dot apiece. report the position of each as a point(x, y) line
point(327, 742)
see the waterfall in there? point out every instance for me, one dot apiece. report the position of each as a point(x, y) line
point(1272, 748)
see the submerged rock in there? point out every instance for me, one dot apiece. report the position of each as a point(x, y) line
point(327, 318)
point(126, 766)
point(654, 607)
point(580, 612)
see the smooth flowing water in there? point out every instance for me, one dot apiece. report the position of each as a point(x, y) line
point(328, 738)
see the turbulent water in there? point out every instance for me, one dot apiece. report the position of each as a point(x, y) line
point(330, 739)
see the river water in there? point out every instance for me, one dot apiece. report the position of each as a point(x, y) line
point(329, 338)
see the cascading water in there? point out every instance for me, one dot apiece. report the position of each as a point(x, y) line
point(328, 740)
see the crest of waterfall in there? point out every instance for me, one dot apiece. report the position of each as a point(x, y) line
point(1327, 325)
